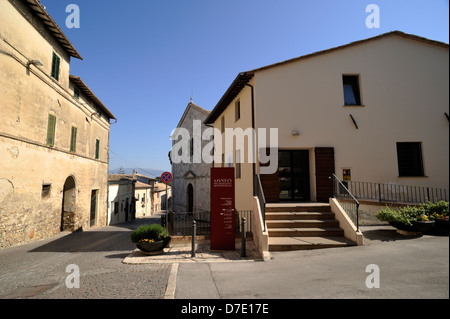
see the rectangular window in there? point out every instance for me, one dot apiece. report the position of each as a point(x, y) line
point(56, 60)
point(97, 149)
point(410, 162)
point(237, 108)
point(222, 124)
point(76, 93)
point(46, 190)
point(352, 94)
point(238, 164)
point(73, 140)
point(51, 128)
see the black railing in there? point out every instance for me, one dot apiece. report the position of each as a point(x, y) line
point(347, 200)
point(259, 192)
point(396, 193)
point(181, 224)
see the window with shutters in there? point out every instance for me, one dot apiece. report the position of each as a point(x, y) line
point(51, 128)
point(73, 140)
point(56, 60)
point(410, 161)
point(97, 149)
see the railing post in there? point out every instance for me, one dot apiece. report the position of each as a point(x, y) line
point(194, 235)
point(244, 239)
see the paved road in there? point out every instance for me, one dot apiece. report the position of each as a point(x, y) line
point(408, 268)
point(38, 270)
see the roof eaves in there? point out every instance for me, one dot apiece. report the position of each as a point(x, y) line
point(48, 21)
point(85, 89)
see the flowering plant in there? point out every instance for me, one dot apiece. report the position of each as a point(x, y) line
point(149, 233)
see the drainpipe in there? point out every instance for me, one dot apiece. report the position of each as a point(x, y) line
point(254, 135)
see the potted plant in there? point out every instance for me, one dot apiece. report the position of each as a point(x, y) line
point(399, 218)
point(439, 212)
point(423, 223)
point(151, 238)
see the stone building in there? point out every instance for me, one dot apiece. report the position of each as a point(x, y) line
point(54, 132)
point(191, 179)
point(121, 198)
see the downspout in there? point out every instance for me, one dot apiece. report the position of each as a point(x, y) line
point(254, 135)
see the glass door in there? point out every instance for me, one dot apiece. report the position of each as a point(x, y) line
point(294, 175)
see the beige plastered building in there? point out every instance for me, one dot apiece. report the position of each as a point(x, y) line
point(356, 107)
point(54, 132)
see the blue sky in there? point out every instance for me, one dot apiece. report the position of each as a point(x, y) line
point(145, 58)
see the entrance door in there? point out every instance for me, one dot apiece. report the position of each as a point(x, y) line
point(68, 205)
point(293, 175)
point(94, 195)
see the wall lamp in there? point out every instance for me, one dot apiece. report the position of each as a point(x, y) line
point(35, 63)
point(295, 132)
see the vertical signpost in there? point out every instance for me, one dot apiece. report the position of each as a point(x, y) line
point(222, 209)
point(166, 178)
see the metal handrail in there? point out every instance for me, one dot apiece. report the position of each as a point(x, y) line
point(259, 192)
point(347, 195)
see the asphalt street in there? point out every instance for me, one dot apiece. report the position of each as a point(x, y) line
point(405, 267)
point(39, 270)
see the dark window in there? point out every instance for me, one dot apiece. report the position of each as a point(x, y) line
point(352, 94)
point(222, 124)
point(46, 190)
point(191, 148)
point(237, 110)
point(238, 164)
point(76, 93)
point(97, 149)
point(73, 140)
point(409, 157)
point(56, 60)
point(51, 127)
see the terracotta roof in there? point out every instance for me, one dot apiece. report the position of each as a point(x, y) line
point(55, 30)
point(85, 89)
point(244, 77)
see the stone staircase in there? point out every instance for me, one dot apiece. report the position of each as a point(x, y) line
point(302, 227)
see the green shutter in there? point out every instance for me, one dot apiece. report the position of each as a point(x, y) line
point(97, 149)
point(55, 66)
point(51, 128)
point(73, 140)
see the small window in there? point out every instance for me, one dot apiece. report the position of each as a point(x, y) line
point(410, 162)
point(237, 108)
point(73, 140)
point(51, 128)
point(191, 148)
point(56, 60)
point(352, 94)
point(97, 149)
point(222, 124)
point(46, 190)
point(238, 164)
point(76, 93)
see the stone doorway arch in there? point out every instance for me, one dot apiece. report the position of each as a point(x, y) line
point(68, 205)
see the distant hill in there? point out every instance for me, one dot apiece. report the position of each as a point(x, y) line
point(150, 172)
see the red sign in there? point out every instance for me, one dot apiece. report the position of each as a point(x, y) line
point(222, 209)
point(166, 177)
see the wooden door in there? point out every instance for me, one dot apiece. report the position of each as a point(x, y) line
point(324, 170)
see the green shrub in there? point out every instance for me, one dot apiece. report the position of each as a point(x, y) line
point(151, 232)
point(440, 208)
point(404, 215)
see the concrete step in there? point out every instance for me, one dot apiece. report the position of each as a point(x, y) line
point(311, 223)
point(296, 207)
point(299, 215)
point(307, 243)
point(305, 232)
